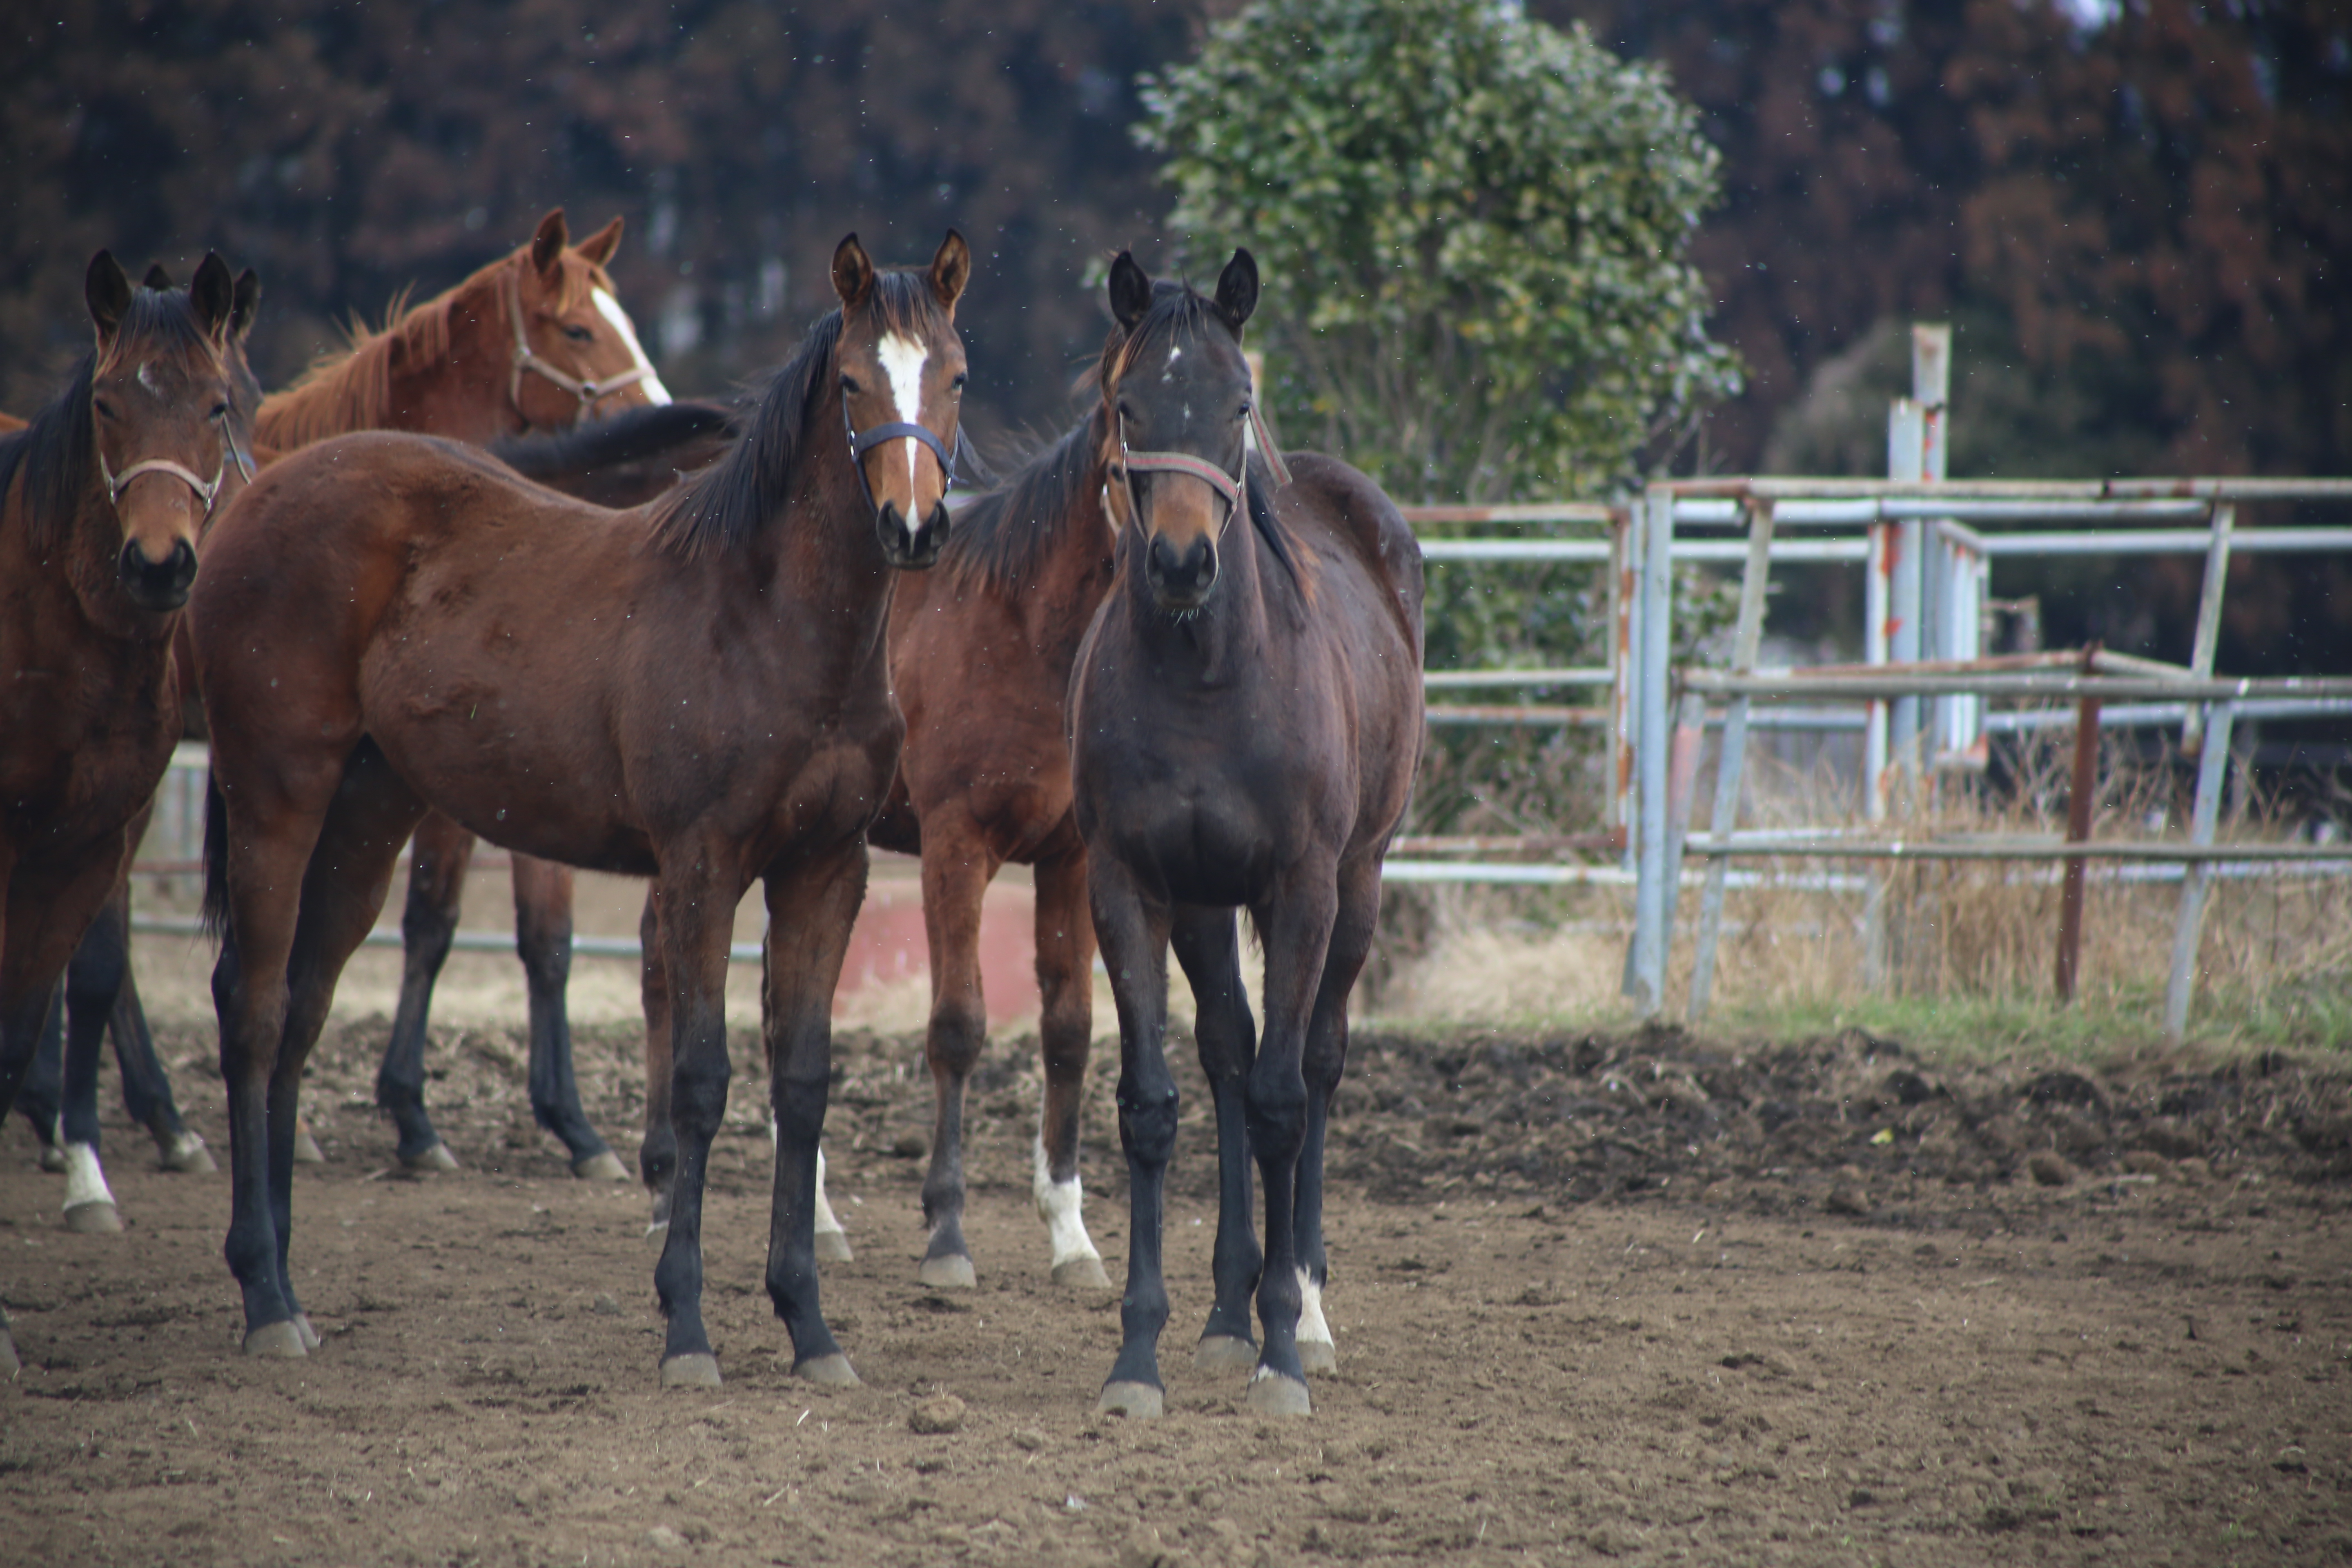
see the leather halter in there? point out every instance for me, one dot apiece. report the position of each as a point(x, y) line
point(117, 483)
point(864, 441)
point(589, 392)
point(1231, 487)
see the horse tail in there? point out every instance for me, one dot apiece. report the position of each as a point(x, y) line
point(216, 914)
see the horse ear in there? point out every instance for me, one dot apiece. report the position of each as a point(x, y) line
point(1237, 289)
point(107, 290)
point(598, 248)
point(247, 301)
point(156, 277)
point(214, 295)
point(950, 271)
point(1130, 290)
point(547, 245)
point(853, 272)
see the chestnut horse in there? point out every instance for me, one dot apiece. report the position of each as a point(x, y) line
point(101, 498)
point(528, 343)
point(696, 690)
point(981, 653)
point(1245, 723)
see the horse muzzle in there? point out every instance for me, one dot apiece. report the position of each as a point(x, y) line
point(157, 585)
point(912, 546)
point(1180, 578)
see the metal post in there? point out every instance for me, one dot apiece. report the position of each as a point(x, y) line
point(2085, 785)
point(1931, 380)
point(1746, 639)
point(1682, 785)
point(1905, 445)
point(2209, 619)
point(1624, 541)
point(1874, 574)
point(1646, 983)
point(2212, 766)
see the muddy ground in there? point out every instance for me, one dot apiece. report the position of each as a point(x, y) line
point(1637, 1299)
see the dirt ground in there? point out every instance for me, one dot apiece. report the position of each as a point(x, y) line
point(1643, 1299)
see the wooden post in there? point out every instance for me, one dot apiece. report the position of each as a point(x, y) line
point(2079, 801)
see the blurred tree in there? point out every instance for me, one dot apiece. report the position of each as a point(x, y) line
point(349, 150)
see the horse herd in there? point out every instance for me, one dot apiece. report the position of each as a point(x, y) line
point(452, 584)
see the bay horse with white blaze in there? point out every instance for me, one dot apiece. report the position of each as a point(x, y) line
point(697, 691)
point(101, 499)
point(1245, 723)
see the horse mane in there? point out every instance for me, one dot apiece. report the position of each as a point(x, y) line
point(631, 435)
point(1178, 311)
point(728, 503)
point(350, 388)
point(1001, 538)
point(56, 453)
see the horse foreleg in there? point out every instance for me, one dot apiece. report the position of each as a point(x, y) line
point(41, 1086)
point(811, 909)
point(93, 984)
point(697, 922)
point(1209, 948)
point(1296, 925)
point(957, 869)
point(1065, 983)
point(542, 894)
point(1322, 1063)
point(428, 923)
point(657, 1150)
point(1134, 937)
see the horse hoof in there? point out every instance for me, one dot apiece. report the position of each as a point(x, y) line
point(1224, 1354)
point(187, 1154)
point(1272, 1394)
point(100, 1218)
point(307, 1152)
point(603, 1167)
point(311, 1340)
point(53, 1159)
point(281, 1341)
point(1319, 1355)
point(436, 1158)
point(1132, 1399)
point(690, 1372)
point(833, 1247)
point(832, 1371)
point(951, 1272)
point(1081, 1274)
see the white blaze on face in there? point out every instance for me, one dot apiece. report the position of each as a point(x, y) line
point(610, 309)
point(1057, 1205)
point(902, 361)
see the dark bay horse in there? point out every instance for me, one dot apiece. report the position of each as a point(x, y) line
point(980, 654)
point(101, 498)
point(695, 691)
point(1246, 722)
point(528, 343)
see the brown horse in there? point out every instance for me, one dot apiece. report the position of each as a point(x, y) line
point(981, 653)
point(101, 500)
point(697, 691)
point(530, 342)
point(1246, 722)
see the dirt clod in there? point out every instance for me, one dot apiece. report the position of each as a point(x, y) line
point(2048, 1170)
point(937, 1416)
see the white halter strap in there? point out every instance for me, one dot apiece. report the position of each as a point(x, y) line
point(589, 392)
point(206, 492)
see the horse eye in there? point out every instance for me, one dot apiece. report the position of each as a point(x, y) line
point(220, 411)
point(105, 409)
point(958, 383)
point(1243, 412)
point(579, 334)
point(849, 385)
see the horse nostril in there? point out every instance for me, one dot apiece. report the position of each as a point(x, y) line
point(182, 563)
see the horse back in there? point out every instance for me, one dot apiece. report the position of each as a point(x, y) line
point(1337, 504)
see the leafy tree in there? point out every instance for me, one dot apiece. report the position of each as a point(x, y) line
point(1474, 231)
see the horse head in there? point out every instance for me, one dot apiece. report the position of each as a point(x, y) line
point(1177, 407)
point(901, 364)
point(164, 404)
point(575, 351)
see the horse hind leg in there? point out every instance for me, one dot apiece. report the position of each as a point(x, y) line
point(542, 892)
point(41, 1096)
point(1209, 948)
point(147, 1088)
point(428, 924)
point(1323, 1062)
point(956, 873)
point(1066, 982)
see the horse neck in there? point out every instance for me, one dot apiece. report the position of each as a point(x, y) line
point(1223, 641)
point(1057, 610)
point(466, 393)
point(817, 567)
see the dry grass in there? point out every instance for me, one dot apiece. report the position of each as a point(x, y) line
point(1970, 946)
